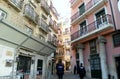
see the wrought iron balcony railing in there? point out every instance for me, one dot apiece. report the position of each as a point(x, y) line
point(95, 26)
point(43, 25)
point(51, 22)
point(52, 39)
point(30, 13)
point(45, 6)
point(88, 6)
point(16, 3)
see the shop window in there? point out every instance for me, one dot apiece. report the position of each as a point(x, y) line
point(116, 39)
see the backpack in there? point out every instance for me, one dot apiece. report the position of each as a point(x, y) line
point(82, 71)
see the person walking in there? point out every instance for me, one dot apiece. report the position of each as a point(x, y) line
point(60, 69)
point(75, 68)
point(82, 71)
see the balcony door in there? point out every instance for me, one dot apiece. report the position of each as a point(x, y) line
point(100, 18)
point(83, 28)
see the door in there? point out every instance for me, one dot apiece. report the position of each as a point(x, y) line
point(117, 60)
point(100, 18)
point(94, 60)
point(83, 28)
point(95, 66)
point(24, 66)
point(39, 69)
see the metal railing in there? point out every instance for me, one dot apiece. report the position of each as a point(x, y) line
point(98, 24)
point(89, 5)
point(43, 25)
point(30, 13)
point(45, 6)
point(17, 3)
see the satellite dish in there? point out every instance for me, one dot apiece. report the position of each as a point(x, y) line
point(119, 5)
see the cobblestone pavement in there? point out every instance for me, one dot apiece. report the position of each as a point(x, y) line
point(67, 75)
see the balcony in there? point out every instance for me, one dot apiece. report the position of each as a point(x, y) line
point(52, 39)
point(101, 24)
point(53, 25)
point(43, 25)
point(17, 4)
point(59, 55)
point(89, 8)
point(73, 2)
point(45, 6)
point(51, 22)
point(30, 13)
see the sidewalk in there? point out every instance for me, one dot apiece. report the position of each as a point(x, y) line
point(67, 75)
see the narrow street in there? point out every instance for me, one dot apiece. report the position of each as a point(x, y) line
point(68, 75)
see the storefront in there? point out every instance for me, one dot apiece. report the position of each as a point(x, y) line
point(24, 55)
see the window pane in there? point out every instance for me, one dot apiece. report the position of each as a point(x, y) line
point(116, 39)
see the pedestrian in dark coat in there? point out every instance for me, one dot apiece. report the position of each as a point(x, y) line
point(75, 69)
point(60, 69)
point(82, 71)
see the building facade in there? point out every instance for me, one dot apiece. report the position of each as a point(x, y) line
point(27, 38)
point(95, 37)
point(63, 44)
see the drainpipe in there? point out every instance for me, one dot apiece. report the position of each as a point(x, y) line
point(112, 15)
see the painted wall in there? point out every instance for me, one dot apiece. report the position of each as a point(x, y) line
point(6, 60)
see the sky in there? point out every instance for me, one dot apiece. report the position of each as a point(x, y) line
point(63, 7)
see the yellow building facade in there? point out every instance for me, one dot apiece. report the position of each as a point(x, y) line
point(27, 38)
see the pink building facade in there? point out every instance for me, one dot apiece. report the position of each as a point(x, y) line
point(95, 37)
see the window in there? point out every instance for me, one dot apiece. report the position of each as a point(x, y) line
point(83, 28)
point(67, 31)
point(100, 18)
point(43, 16)
point(2, 14)
point(29, 30)
point(92, 44)
point(30, 13)
point(42, 37)
point(82, 9)
point(116, 39)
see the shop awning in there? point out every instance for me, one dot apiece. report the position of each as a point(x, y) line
point(17, 37)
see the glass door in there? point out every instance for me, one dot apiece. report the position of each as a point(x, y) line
point(39, 69)
point(23, 67)
point(100, 18)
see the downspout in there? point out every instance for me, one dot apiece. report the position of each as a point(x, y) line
point(112, 15)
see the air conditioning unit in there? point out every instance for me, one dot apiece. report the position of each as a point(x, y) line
point(2, 14)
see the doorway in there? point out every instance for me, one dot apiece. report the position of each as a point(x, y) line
point(39, 69)
point(117, 60)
